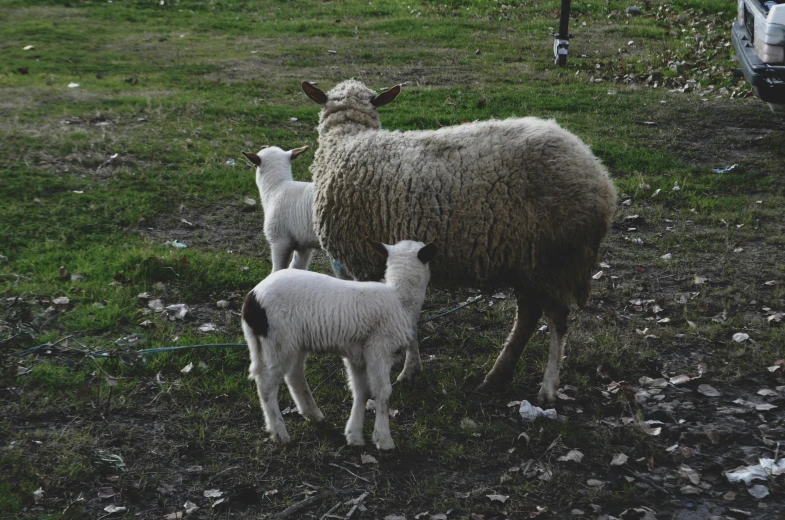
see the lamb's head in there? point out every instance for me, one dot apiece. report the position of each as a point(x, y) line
point(407, 264)
point(350, 106)
point(271, 161)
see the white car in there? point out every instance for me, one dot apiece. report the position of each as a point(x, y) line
point(758, 36)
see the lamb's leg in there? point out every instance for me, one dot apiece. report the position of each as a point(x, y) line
point(412, 365)
point(267, 383)
point(529, 311)
point(301, 258)
point(557, 323)
point(301, 393)
point(378, 369)
point(358, 383)
point(281, 251)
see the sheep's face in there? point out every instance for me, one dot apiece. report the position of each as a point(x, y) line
point(356, 102)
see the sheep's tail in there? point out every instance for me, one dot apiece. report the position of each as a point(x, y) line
point(255, 327)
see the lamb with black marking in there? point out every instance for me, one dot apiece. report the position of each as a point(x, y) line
point(518, 203)
point(288, 207)
point(292, 313)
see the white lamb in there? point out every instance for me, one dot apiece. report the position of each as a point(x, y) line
point(288, 207)
point(293, 313)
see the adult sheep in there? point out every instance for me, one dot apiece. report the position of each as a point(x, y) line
point(516, 203)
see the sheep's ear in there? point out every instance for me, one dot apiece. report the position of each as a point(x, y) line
point(297, 151)
point(387, 96)
point(426, 253)
point(378, 247)
point(253, 158)
point(314, 93)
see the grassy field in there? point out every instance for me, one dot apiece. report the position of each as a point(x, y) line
point(99, 178)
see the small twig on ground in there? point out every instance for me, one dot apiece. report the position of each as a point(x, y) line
point(647, 480)
point(295, 508)
point(349, 472)
point(356, 503)
point(221, 473)
point(329, 514)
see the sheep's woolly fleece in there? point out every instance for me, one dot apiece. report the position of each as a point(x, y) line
point(517, 202)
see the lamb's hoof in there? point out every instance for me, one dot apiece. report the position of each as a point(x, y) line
point(280, 437)
point(314, 416)
point(385, 444)
point(353, 439)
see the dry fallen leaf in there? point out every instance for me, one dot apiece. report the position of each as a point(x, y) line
point(708, 391)
point(680, 379)
point(368, 459)
point(573, 455)
point(619, 459)
point(698, 280)
point(759, 491)
point(594, 483)
point(498, 498)
point(598, 275)
point(741, 337)
point(114, 509)
point(187, 368)
point(690, 474)
point(213, 493)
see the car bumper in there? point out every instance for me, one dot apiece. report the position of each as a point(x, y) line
point(768, 81)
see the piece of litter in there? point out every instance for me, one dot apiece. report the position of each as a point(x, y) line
point(530, 412)
point(187, 368)
point(222, 304)
point(498, 498)
point(179, 310)
point(230, 162)
point(213, 493)
point(249, 200)
point(741, 337)
point(73, 85)
point(28, 48)
point(114, 509)
point(156, 305)
point(368, 459)
point(207, 327)
point(759, 491)
point(62, 300)
point(725, 169)
point(598, 275)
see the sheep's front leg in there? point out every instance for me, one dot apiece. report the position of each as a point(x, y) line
point(557, 323)
point(301, 259)
point(267, 383)
point(358, 383)
point(281, 251)
point(413, 364)
point(378, 370)
point(301, 392)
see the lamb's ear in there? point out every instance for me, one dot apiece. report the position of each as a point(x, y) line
point(314, 93)
point(378, 247)
point(386, 96)
point(253, 158)
point(297, 151)
point(426, 253)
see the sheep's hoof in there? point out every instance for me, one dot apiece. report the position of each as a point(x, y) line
point(545, 397)
point(489, 386)
point(406, 376)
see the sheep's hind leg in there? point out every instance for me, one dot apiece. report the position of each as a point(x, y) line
point(301, 258)
point(358, 383)
point(528, 313)
point(267, 383)
point(412, 365)
point(557, 323)
point(301, 392)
